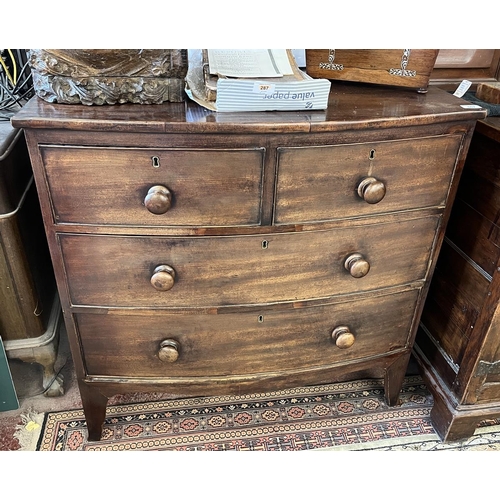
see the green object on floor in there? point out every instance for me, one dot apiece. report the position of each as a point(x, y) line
point(8, 396)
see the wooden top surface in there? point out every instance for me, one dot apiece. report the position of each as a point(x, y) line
point(351, 106)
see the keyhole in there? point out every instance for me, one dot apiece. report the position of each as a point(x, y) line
point(260, 319)
point(372, 154)
point(265, 245)
point(155, 160)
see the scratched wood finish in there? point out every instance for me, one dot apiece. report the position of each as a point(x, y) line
point(455, 299)
point(416, 173)
point(291, 339)
point(461, 318)
point(217, 271)
point(249, 303)
point(208, 187)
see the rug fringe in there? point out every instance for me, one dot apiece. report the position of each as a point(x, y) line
point(28, 432)
point(484, 439)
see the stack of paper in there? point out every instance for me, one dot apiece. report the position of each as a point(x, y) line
point(253, 80)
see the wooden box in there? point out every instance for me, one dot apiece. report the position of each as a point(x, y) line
point(109, 76)
point(398, 67)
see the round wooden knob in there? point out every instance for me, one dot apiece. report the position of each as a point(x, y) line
point(169, 351)
point(357, 265)
point(371, 190)
point(158, 200)
point(342, 337)
point(163, 278)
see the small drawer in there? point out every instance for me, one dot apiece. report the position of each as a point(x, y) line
point(155, 187)
point(204, 345)
point(210, 271)
point(329, 182)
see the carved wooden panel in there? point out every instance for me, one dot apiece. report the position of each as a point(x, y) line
point(109, 76)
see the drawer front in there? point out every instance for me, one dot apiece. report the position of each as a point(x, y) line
point(166, 187)
point(232, 270)
point(243, 343)
point(329, 182)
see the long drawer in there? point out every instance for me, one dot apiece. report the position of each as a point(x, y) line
point(162, 187)
point(363, 179)
point(127, 271)
point(244, 342)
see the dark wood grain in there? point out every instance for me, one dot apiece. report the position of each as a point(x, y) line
point(399, 67)
point(264, 212)
point(416, 174)
point(351, 106)
point(454, 302)
point(216, 271)
point(264, 341)
point(109, 186)
point(457, 346)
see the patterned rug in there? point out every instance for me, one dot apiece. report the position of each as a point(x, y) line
point(342, 416)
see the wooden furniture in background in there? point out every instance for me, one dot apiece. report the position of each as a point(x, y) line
point(489, 92)
point(399, 67)
point(200, 253)
point(458, 345)
point(29, 306)
point(476, 65)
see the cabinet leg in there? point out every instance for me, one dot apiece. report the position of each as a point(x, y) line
point(449, 426)
point(393, 379)
point(94, 406)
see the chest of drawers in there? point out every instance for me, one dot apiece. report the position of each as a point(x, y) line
point(199, 253)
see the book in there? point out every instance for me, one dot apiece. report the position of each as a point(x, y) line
point(229, 81)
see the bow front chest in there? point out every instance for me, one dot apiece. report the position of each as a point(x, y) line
point(202, 253)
